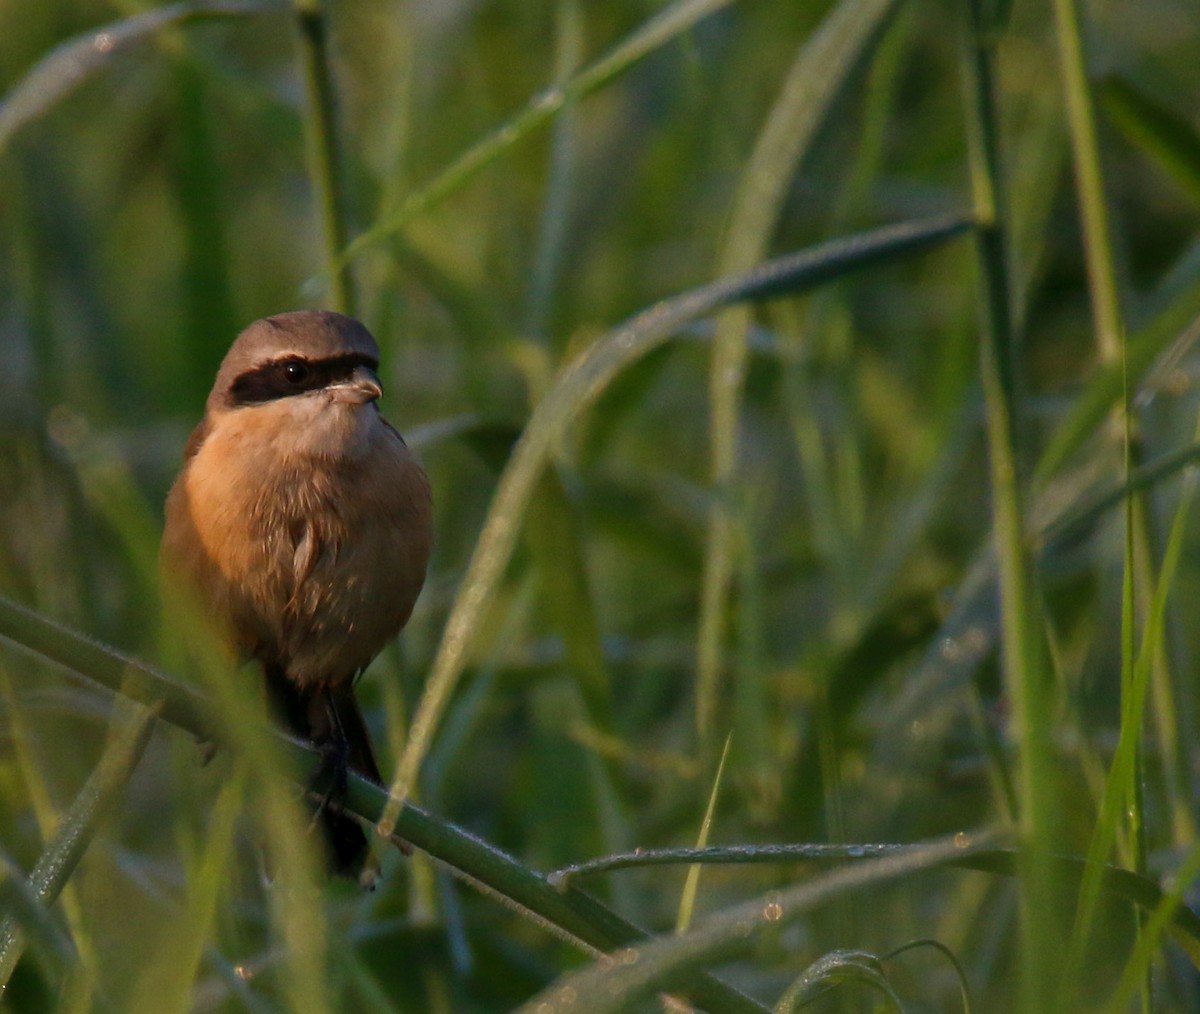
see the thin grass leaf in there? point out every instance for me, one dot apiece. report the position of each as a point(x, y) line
point(721, 854)
point(1177, 324)
point(1124, 801)
point(948, 954)
point(672, 22)
point(665, 963)
point(26, 909)
point(80, 823)
point(324, 154)
point(74, 62)
point(966, 636)
point(1120, 883)
point(196, 177)
point(817, 76)
point(1023, 659)
point(1125, 760)
point(1079, 519)
point(580, 383)
point(1157, 926)
point(1168, 137)
point(1089, 179)
point(687, 902)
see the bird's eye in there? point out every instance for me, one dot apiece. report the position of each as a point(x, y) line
point(295, 371)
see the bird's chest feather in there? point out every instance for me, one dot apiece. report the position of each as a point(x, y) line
point(307, 554)
point(274, 518)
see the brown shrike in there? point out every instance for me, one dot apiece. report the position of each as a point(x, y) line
point(302, 523)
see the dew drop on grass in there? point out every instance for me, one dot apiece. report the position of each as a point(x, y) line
point(962, 840)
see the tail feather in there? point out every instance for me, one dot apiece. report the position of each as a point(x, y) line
point(331, 720)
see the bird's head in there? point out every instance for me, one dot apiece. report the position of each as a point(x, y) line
point(308, 375)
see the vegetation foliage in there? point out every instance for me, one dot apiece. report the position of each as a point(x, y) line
point(808, 395)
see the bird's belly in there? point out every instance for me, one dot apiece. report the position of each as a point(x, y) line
point(302, 580)
point(352, 601)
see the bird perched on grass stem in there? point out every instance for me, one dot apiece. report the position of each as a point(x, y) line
point(302, 523)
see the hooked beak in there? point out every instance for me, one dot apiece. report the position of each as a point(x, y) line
point(362, 387)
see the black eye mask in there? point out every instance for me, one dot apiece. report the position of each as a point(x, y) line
point(283, 378)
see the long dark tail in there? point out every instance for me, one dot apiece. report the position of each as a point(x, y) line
point(333, 722)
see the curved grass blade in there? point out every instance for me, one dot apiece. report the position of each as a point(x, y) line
point(579, 384)
point(949, 955)
point(669, 962)
point(832, 970)
point(1125, 884)
point(62, 856)
point(721, 854)
point(70, 64)
point(25, 907)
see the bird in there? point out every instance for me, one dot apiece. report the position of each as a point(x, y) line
point(301, 525)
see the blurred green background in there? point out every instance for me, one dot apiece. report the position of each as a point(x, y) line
point(151, 211)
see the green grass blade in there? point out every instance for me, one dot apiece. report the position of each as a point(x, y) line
point(1023, 660)
point(835, 969)
point(1089, 180)
point(687, 903)
point(1157, 129)
point(1178, 322)
point(1160, 923)
point(1123, 770)
point(672, 22)
point(1126, 885)
point(24, 908)
point(564, 157)
point(324, 155)
point(666, 963)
